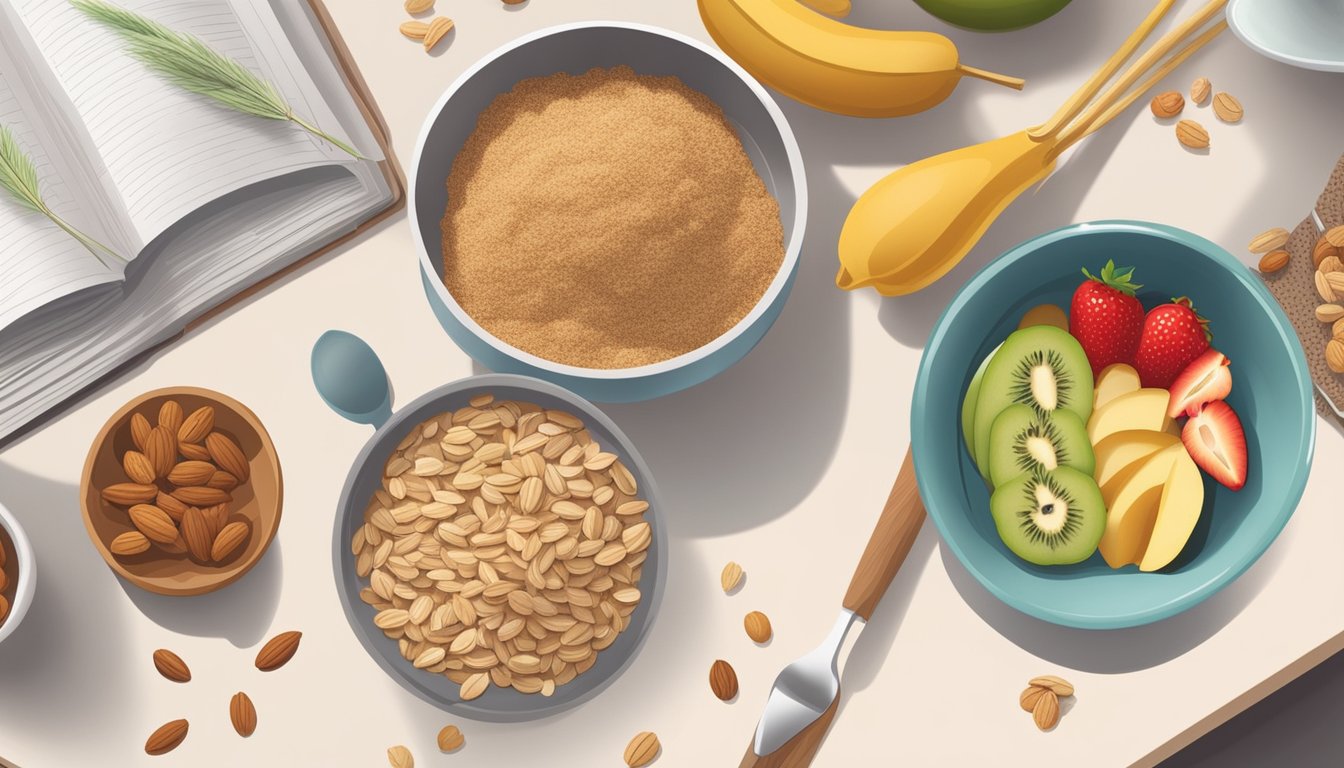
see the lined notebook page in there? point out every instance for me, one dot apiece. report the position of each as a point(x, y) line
point(166, 151)
point(39, 262)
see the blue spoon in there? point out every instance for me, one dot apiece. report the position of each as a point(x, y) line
point(351, 379)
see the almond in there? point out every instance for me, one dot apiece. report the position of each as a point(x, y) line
point(228, 456)
point(138, 468)
point(154, 523)
point(170, 416)
point(4, 607)
point(1269, 240)
point(1335, 281)
point(139, 430)
point(129, 544)
point(228, 540)
point(416, 30)
point(170, 505)
point(216, 517)
point(1323, 288)
point(1274, 261)
point(400, 757)
point(224, 481)
point(1334, 355)
point(1059, 685)
point(642, 749)
point(451, 738)
point(1337, 331)
point(1329, 313)
point(191, 473)
point(723, 680)
point(243, 714)
point(757, 625)
point(197, 535)
point(201, 496)
point(1227, 108)
point(171, 666)
point(1335, 237)
point(1169, 104)
point(166, 738)
point(418, 6)
point(1200, 90)
point(161, 450)
point(126, 494)
point(278, 650)
point(1330, 264)
point(1322, 251)
point(193, 451)
point(1192, 134)
point(1046, 711)
point(1028, 698)
point(731, 576)
point(197, 425)
point(438, 27)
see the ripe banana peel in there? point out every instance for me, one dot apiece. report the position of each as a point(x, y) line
point(835, 66)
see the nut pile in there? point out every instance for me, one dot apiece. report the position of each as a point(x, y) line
point(8, 575)
point(180, 480)
point(1328, 258)
point(1041, 699)
point(1191, 133)
point(504, 546)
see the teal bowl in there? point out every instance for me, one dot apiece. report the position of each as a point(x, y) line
point(1271, 392)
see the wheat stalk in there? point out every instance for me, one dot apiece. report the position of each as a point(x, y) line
point(18, 177)
point(189, 63)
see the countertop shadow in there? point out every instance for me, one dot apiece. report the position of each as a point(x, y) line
point(239, 613)
point(1116, 651)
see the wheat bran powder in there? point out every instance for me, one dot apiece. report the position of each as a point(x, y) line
point(607, 220)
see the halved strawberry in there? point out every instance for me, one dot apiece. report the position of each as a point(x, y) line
point(1215, 440)
point(1203, 381)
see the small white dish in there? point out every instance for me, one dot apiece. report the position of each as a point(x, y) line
point(1303, 33)
point(26, 581)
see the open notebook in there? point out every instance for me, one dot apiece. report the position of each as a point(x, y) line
point(203, 201)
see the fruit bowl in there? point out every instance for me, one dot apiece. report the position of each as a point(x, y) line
point(1272, 393)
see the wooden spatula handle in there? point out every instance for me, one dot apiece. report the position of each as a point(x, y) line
point(890, 543)
point(798, 751)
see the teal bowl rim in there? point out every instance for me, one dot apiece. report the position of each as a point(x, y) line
point(920, 423)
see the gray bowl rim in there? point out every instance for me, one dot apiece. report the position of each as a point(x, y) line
point(793, 237)
point(539, 706)
point(27, 578)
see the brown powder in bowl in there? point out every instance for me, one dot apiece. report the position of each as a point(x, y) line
point(607, 220)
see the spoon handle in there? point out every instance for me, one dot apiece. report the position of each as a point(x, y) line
point(901, 519)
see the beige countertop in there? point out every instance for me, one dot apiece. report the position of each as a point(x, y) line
point(781, 464)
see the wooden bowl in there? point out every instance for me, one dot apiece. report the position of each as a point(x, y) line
point(258, 500)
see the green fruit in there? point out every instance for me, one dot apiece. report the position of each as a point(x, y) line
point(993, 15)
point(1050, 518)
point(1041, 366)
point(968, 407)
point(1023, 441)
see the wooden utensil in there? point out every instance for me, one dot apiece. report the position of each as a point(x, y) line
point(806, 694)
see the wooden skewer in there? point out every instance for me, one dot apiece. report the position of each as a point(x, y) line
point(1088, 90)
point(1136, 70)
point(1147, 85)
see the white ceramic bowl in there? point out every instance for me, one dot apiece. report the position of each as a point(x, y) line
point(23, 592)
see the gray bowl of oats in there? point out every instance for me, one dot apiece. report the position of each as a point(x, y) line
point(499, 547)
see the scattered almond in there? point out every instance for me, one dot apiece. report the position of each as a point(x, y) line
point(243, 714)
point(418, 6)
point(723, 680)
point(438, 27)
point(1191, 134)
point(400, 757)
point(451, 738)
point(129, 544)
point(1227, 108)
point(278, 650)
point(1200, 90)
point(1028, 698)
point(1274, 261)
point(642, 749)
point(1335, 237)
point(167, 737)
point(757, 625)
point(1169, 104)
point(1334, 355)
point(1329, 313)
point(1269, 240)
point(138, 468)
point(731, 576)
point(171, 666)
point(1059, 685)
point(415, 30)
point(1046, 711)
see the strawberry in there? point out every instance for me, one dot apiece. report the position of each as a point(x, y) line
point(1106, 318)
point(1203, 381)
point(1215, 440)
point(1173, 336)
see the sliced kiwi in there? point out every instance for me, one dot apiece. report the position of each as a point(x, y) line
point(1023, 440)
point(1050, 518)
point(1041, 366)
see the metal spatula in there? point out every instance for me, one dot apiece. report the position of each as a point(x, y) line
point(807, 692)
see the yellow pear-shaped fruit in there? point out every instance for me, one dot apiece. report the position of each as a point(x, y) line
point(1179, 510)
point(1141, 409)
point(1113, 381)
point(1132, 509)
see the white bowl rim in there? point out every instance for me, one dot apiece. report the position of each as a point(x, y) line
point(793, 238)
point(23, 593)
point(1248, 36)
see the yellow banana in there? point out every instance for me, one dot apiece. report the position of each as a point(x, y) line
point(837, 8)
point(834, 66)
